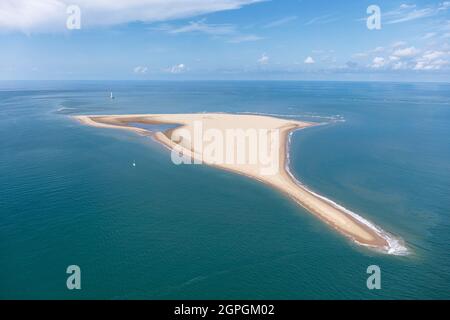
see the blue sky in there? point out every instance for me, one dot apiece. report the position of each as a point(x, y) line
point(225, 39)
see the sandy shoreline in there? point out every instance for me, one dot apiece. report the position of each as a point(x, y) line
point(344, 221)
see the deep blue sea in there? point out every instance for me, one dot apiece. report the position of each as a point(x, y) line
point(69, 194)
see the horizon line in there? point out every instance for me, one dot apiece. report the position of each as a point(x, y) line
point(222, 80)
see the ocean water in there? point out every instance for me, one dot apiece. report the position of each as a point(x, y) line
point(69, 194)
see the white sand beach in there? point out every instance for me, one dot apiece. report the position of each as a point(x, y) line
point(344, 221)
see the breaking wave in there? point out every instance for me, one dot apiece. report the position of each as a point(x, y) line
point(395, 245)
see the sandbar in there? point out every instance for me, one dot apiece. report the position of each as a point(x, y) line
point(346, 222)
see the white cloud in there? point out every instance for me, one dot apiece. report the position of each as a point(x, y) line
point(432, 60)
point(428, 35)
point(398, 44)
point(217, 30)
point(400, 57)
point(444, 6)
point(378, 62)
point(309, 60)
point(404, 14)
point(378, 49)
point(264, 59)
point(322, 19)
point(199, 27)
point(406, 52)
point(407, 6)
point(280, 22)
point(431, 65)
point(410, 59)
point(50, 15)
point(407, 12)
point(432, 55)
point(245, 38)
point(140, 70)
point(360, 55)
point(178, 68)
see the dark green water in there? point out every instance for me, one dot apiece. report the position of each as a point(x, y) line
point(70, 195)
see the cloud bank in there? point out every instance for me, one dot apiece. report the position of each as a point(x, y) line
point(50, 15)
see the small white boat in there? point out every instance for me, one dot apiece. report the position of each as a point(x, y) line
point(112, 97)
point(134, 163)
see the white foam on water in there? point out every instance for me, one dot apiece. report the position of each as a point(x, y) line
point(395, 245)
point(334, 118)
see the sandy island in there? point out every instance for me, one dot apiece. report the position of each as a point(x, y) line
point(344, 221)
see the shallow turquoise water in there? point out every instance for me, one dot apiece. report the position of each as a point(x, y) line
point(70, 195)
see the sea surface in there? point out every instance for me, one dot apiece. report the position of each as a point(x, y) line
point(70, 195)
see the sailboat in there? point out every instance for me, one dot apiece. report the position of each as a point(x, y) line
point(112, 97)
